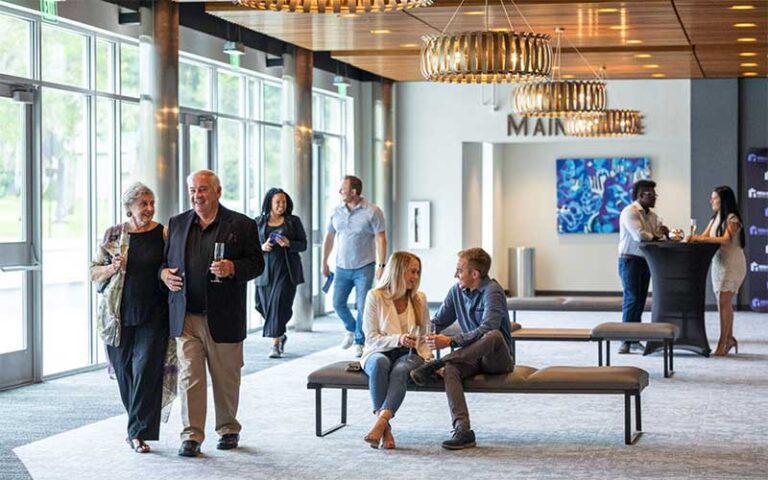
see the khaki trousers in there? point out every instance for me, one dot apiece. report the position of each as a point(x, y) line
point(195, 347)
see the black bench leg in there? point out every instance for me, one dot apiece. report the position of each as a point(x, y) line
point(607, 353)
point(599, 353)
point(629, 438)
point(672, 357)
point(666, 359)
point(514, 353)
point(319, 413)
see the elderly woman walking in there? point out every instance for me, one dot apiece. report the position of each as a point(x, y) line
point(133, 312)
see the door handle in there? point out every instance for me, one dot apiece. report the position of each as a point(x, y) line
point(21, 268)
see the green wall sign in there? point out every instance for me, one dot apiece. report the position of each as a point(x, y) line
point(49, 11)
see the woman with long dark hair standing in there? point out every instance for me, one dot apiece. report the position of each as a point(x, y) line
point(729, 265)
point(282, 237)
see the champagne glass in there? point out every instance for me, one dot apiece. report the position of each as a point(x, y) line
point(218, 255)
point(693, 226)
point(429, 330)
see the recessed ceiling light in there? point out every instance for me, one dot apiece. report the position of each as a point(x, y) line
point(643, 55)
point(651, 65)
point(747, 54)
point(618, 27)
point(409, 45)
point(348, 15)
point(380, 32)
point(659, 75)
point(607, 10)
point(749, 74)
point(567, 76)
point(745, 25)
point(746, 39)
point(500, 29)
point(748, 64)
point(475, 12)
point(633, 42)
point(742, 7)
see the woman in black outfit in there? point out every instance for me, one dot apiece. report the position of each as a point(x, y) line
point(282, 237)
point(135, 303)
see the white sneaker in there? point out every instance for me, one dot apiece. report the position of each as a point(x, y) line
point(358, 351)
point(349, 338)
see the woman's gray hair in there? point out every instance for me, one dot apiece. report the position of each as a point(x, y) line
point(133, 193)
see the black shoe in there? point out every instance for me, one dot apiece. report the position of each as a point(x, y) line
point(624, 348)
point(283, 341)
point(422, 374)
point(460, 439)
point(189, 448)
point(228, 441)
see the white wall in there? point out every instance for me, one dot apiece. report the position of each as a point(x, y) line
point(435, 120)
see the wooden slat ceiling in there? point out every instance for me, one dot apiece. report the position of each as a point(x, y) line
point(632, 39)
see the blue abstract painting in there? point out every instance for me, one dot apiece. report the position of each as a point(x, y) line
point(592, 191)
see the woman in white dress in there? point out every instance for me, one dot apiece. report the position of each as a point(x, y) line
point(729, 265)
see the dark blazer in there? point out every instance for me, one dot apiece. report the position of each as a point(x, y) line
point(226, 301)
point(294, 231)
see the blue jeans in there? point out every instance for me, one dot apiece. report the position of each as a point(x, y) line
point(635, 278)
point(361, 279)
point(388, 373)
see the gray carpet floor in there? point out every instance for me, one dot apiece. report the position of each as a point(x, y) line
point(706, 422)
point(39, 411)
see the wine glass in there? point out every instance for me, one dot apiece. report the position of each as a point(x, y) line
point(693, 226)
point(414, 333)
point(429, 330)
point(218, 255)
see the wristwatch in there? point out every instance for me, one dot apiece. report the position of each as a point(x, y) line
point(454, 343)
point(381, 265)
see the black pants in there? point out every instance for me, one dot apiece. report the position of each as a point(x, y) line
point(138, 364)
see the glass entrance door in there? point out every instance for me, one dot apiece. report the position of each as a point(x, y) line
point(19, 264)
point(327, 172)
point(196, 148)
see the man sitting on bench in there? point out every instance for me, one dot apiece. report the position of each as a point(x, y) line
point(479, 305)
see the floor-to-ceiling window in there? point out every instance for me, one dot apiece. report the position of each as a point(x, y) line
point(86, 85)
point(332, 142)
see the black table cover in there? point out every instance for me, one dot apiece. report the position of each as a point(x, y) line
point(679, 278)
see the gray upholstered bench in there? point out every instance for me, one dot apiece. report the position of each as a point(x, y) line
point(605, 332)
point(626, 381)
point(568, 304)
point(666, 333)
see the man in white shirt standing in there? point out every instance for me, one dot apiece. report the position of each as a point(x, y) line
point(637, 224)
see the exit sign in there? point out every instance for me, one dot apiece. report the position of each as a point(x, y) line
point(48, 11)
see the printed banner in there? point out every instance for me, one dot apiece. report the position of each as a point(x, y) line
point(755, 211)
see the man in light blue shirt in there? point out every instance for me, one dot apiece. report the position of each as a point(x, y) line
point(361, 253)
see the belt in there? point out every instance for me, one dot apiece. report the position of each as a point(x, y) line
point(631, 257)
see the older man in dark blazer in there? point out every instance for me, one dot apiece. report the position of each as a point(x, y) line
point(209, 317)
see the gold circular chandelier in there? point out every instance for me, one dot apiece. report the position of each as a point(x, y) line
point(560, 98)
point(334, 6)
point(486, 57)
point(613, 123)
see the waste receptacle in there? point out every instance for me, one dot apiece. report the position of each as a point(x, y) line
point(521, 272)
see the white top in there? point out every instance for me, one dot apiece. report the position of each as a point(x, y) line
point(636, 226)
point(381, 325)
